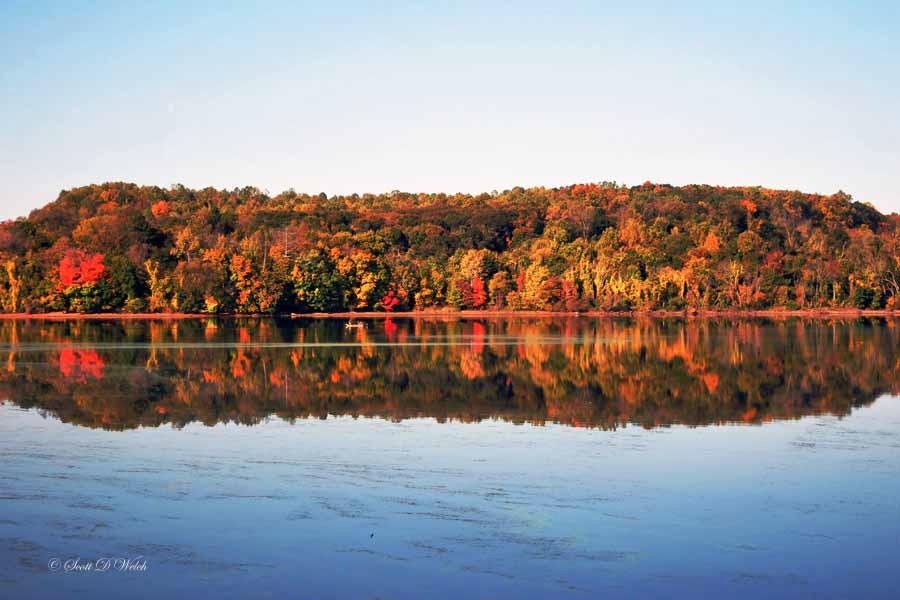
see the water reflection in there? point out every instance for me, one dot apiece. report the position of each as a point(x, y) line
point(580, 372)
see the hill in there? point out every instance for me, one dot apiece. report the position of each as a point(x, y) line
point(118, 247)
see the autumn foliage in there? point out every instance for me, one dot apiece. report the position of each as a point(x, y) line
point(390, 301)
point(594, 246)
point(80, 268)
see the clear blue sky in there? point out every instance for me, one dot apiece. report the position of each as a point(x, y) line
point(370, 97)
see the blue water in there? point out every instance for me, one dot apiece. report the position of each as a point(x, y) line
point(369, 508)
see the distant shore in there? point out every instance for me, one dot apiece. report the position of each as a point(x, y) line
point(475, 314)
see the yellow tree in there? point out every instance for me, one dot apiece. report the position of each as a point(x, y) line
point(160, 285)
point(9, 297)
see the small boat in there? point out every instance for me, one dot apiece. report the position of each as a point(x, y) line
point(355, 325)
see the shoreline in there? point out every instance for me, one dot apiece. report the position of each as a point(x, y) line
point(817, 313)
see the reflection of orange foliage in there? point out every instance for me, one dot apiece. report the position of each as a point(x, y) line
point(520, 350)
point(344, 364)
point(477, 337)
point(240, 366)
point(647, 372)
point(711, 380)
point(78, 365)
point(576, 414)
point(390, 329)
point(244, 335)
point(470, 365)
point(774, 366)
point(679, 347)
point(631, 392)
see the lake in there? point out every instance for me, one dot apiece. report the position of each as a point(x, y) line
point(411, 458)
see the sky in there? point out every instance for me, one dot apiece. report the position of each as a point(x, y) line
point(343, 97)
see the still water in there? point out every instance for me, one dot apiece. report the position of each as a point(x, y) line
point(517, 458)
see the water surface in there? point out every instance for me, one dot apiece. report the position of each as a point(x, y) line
point(511, 458)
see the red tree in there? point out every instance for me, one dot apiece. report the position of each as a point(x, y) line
point(390, 301)
point(479, 293)
point(78, 268)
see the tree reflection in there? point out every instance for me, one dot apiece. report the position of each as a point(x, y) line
point(581, 372)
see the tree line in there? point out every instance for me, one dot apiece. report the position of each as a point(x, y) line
point(119, 247)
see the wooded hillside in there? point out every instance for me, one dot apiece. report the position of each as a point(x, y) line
point(121, 247)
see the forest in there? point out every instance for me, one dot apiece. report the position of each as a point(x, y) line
point(119, 247)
